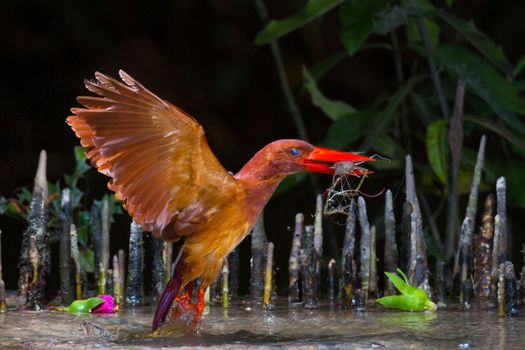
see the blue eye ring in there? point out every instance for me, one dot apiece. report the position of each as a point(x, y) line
point(294, 152)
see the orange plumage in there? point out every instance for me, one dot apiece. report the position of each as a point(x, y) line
point(170, 182)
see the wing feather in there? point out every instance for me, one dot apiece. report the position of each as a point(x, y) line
point(157, 156)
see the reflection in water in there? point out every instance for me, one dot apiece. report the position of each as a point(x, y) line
point(283, 327)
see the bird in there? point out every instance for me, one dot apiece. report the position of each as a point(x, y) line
point(168, 179)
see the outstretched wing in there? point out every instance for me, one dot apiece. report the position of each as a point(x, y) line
point(157, 156)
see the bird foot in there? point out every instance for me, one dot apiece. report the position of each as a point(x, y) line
point(186, 314)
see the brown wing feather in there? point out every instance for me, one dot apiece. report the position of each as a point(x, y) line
point(156, 155)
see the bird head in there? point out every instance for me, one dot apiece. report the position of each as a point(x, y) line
point(285, 157)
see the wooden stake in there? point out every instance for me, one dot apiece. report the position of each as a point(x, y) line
point(268, 277)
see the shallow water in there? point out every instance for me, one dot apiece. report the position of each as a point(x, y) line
point(283, 327)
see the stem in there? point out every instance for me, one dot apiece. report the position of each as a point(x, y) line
point(268, 274)
point(431, 63)
point(455, 136)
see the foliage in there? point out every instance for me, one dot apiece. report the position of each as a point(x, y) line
point(409, 118)
point(411, 298)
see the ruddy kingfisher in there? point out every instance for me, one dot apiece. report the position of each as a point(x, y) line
point(162, 169)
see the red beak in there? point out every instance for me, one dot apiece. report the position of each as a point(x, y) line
point(322, 160)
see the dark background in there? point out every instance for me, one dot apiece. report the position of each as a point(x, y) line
point(200, 56)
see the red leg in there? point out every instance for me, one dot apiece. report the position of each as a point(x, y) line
point(199, 307)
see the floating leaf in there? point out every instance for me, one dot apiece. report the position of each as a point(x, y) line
point(84, 306)
point(357, 22)
point(501, 95)
point(277, 28)
point(483, 43)
point(332, 108)
point(436, 148)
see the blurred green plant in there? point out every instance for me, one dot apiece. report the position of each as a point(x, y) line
point(18, 206)
point(415, 116)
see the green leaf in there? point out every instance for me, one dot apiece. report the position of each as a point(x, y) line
point(332, 108)
point(519, 66)
point(277, 28)
point(357, 22)
point(115, 207)
point(421, 108)
point(320, 69)
point(402, 286)
point(501, 95)
point(483, 43)
point(83, 306)
point(413, 36)
point(437, 149)
point(389, 112)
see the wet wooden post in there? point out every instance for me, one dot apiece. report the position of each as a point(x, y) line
point(259, 242)
point(122, 273)
point(117, 281)
point(418, 265)
point(225, 290)
point(158, 267)
point(522, 278)
point(501, 290)
point(464, 258)
point(293, 263)
point(483, 252)
point(331, 281)
point(348, 264)
point(365, 251)
point(75, 258)
point(233, 276)
point(391, 254)
point(167, 258)
point(66, 287)
point(268, 277)
point(135, 285)
point(308, 264)
point(440, 284)
point(104, 257)
point(372, 284)
point(35, 258)
point(318, 240)
point(500, 243)
point(2, 284)
point(511, 292)
point(404, 260)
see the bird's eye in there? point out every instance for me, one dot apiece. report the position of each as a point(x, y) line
point(294, 152)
